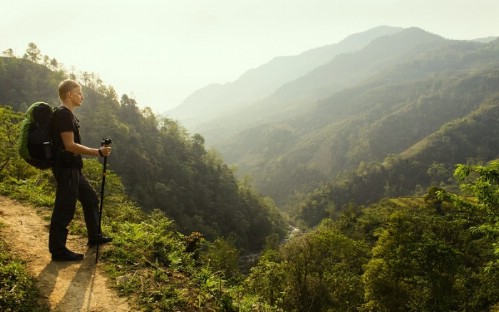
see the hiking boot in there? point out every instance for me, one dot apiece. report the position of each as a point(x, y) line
point(67, 255)
point(100, 240)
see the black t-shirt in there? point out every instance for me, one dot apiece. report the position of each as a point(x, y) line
point(63, 120)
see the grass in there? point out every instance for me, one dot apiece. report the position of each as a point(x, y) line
point(408, 202)
point(18, 292)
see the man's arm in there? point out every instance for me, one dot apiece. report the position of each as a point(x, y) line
point(71, 146)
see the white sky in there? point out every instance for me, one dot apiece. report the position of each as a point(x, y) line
point(161, 51)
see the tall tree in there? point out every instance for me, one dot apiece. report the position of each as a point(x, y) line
point(33, 53)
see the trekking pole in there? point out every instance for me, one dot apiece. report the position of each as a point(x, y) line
point(105, 142)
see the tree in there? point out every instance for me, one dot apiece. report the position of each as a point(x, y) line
point(482, 183)
point(433, 200)
point(267, 279)
point(415, 265)
point(32, 53)
point(8, 53)
point(438, 173)
point(429, 260)
point(317, 271)
point(223, 257)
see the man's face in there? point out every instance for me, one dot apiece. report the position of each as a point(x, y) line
point(76, 96)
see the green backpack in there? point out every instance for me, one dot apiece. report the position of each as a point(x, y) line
point(34, 143)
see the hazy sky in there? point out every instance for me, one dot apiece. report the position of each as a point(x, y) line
point(161, 51)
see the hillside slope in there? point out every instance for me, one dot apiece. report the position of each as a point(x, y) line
point(161, 165)
point(402, 103)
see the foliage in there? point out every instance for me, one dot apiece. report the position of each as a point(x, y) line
point(414, 261)
point(223, 258)
point(431, 258)
point(437, 253)
point(149, 260)
point(319, 271)
point(482, 182)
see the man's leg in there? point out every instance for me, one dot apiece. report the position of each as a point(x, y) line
point(90, 204)
point(64, 209)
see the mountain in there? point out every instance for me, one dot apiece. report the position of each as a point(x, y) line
point(486, 39)
point(216, 100)
point(362, 107)
point(388, 115)
point(345, 70)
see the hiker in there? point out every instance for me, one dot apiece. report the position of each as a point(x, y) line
point(71, 183)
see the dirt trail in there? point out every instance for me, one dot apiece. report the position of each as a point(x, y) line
point(68, 287)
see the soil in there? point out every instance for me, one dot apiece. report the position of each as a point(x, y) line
point(66, 286)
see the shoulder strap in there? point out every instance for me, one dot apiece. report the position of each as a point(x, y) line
point(76, 127)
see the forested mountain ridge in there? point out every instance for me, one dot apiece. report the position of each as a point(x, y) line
point(295, 96)
point(348, 69)
point(218, 100)
point(401, 103)
point(160, 164)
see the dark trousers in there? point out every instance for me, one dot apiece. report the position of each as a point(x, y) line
point(72, 186)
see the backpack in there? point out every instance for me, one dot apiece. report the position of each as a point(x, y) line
point(34, 142)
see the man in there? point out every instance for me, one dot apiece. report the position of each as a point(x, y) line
point(71, 183)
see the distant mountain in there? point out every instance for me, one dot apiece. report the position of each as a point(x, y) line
point(396, 92)
point(343, 71)
point(390, 115)
point(486, 39)
point(375, 121)
point(218, 100)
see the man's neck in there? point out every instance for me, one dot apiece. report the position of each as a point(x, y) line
point(68, 106)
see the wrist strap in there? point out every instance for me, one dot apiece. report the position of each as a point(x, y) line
point(100, 153)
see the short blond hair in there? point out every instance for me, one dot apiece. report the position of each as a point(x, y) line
point(66, 86)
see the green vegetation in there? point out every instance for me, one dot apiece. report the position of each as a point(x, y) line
point(397, 255)
point(150, 260)
point(431, 260)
